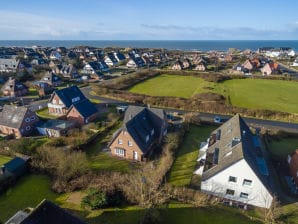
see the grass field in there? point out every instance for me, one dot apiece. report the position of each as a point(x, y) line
point(283, 147)
point(44, 113)
point(184, 165)
point(28, 192)
point(4, 159)
point(249, 93)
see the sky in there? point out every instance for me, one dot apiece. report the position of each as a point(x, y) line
point(149, 20)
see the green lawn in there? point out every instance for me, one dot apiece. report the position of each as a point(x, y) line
point(283, 147)
point(102, 160)
point(33, 93)
point(28, 192)
point(44, 113)
point(184, 165)
point(249, 93)
point(170, 85)
point(4, 159)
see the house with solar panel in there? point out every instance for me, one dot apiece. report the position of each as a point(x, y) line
point(142, 130)
point(233, 166)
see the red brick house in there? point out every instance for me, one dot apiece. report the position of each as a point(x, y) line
point(82, 112)
point(17, 121)
point(293, 165)
point(143, 128)
point(72, 103)
point(14, 88)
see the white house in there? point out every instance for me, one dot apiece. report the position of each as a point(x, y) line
point(233, 166)
point(295, 63)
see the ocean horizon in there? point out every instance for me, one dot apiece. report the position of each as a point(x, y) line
point(188, 45)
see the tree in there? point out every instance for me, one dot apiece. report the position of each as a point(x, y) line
point(94, 199)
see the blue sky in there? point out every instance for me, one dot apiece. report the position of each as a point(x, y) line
point(149, 20)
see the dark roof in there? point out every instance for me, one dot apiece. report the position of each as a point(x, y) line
point(67, 95)
point(120, 56)
point(49, 213)
point(85, 108)
point(16, 166)
point(13, 116)
point(51, 77)
point(236, 142)
point(140, 121)
point(13, 85)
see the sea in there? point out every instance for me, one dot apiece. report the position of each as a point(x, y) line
point(187, 45)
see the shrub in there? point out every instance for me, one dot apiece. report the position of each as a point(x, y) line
point(94, 199)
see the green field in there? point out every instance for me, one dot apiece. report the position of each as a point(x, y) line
point(249, 93)
point(4, 159)
point(282, 148)
point(28, 192)
point(184, 165)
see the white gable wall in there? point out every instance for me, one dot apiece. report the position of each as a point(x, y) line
point(217, 185)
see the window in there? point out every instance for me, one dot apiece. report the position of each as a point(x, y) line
point(28, 128)
point(129, 143)
point(120, 142)
point(27, 119)
point(147, 138)
point(120, 152)
point(152, 132)
point(230, 192)
point(232, 179)
point(32, 118)
point(54, 101)
point(75, 99)
point(60, 102)
point(247, 182)
point(243, 195)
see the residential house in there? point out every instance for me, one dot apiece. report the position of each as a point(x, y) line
point(135, 62)
point(61, 100)
point(295, 63)
point(233, 166)
point(69, 71)
point(111, 60)
point(178, 65)
point(45, 213)
point(55, 55)
point(251, 65)
point(143, 128)
point(52, 79)
point(82, 112)
point(119, 56)
point(293, 167)
point(186, 63)
point(228, 58)
point(43, 88)
point(95, 69)
point(269, 68)
point(54, 128)
point(201, 65)
point(9, 64)
point(17, 121)
point(39, 62)
point(56, 67)
point(14, 88)
point(71, 103)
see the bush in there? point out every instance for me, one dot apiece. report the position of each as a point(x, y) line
point(94, 199)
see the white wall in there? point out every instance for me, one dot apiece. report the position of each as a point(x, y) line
point(258, 195)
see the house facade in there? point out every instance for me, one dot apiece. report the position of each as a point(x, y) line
point(71, 103)
point(17, 121)
point(233, 167)
point(9, 64)
point(293, 167)
point(142, 130)
point(14, 88)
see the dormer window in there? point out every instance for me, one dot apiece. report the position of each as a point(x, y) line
point(32, 118)
point(152, 132)
point(75, 99)
point(27, 119)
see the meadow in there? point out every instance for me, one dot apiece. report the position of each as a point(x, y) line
point(277, 95)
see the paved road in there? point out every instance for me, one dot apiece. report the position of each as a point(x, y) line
point(254, 122)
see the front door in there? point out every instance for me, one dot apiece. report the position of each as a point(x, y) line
point(135, 155)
